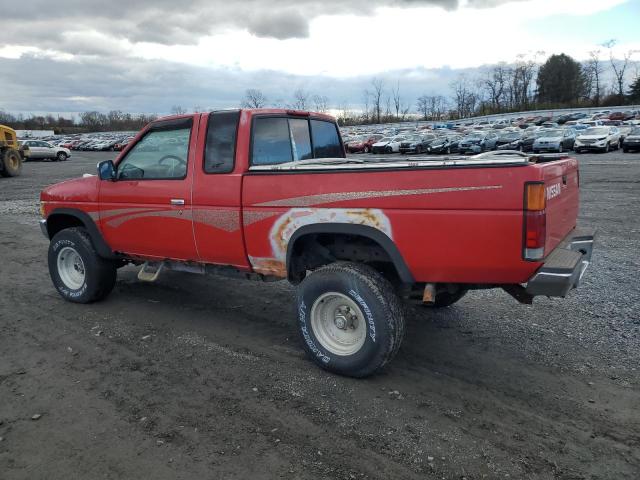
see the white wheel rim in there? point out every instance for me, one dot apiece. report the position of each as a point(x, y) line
point(71, 268)
point(338, 324)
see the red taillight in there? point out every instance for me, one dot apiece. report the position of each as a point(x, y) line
point(535, 221)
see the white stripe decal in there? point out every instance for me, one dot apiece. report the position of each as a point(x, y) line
point(314, 200)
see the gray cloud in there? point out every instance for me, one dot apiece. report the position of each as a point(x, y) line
point(43, 23)
point(149, 86)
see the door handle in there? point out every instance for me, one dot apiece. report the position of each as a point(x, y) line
point(177, 201)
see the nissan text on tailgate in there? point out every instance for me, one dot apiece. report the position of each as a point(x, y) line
point(270, 195)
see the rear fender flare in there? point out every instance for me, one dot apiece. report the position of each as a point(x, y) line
point(357, 230)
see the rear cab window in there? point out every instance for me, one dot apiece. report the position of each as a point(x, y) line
point(220, 150)
point(281, 139)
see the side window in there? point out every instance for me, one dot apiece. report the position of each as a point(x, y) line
point(220, 150)
point(300, 139)
point(326, 141)
point(271, 141)
point(160, 155)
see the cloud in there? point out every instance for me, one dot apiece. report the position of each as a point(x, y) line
point(43, 23)
point(154, 86)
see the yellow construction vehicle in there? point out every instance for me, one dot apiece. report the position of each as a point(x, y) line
point(12, 154)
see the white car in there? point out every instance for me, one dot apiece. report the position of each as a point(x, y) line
point(388, 145)
point(39, 149)
point(600, 139)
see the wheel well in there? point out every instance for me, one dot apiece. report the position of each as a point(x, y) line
point(59, 222)
point(314, 250)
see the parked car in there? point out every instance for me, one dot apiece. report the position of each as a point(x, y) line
point(600, 139)
point(478, 142)
point(364, 144)
point(416, 143)
point(348, 240)
point(388, 145)
point(448, 145)
point(509, 138)
point(526, 143)
point(41, 150)
point(631, 141)
point(554, 140)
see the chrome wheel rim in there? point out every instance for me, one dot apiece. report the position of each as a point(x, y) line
point(71, 268)
point(338, 324)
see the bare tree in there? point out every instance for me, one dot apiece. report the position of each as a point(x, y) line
point(197, 109)
point(619, 67)
point(178, 110)
point(496, 85)
point(397, 102)
point(321, 103)
point(254, 98)
point(423, 106)
point(376, 96)
point(594, 72)
point(300, 99)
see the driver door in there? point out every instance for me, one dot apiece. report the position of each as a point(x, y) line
point(146, 211)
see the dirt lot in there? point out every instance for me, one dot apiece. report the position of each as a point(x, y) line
point(204, 378)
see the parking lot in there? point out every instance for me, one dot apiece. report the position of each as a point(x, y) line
point(194, 374)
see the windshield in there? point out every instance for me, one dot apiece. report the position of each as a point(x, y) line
point(635, 131)
point(398, 139)
point(385, 139)
point(475, 136)
point(596, 131)
point(414, 138)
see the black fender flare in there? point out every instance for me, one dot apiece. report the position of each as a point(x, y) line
point(359, 230)
point(98, 240)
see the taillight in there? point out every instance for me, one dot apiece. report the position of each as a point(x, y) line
point(535, 221)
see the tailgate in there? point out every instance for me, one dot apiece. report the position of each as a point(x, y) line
point(561, 180)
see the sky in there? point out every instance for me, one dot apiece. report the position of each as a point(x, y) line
point(148, 55)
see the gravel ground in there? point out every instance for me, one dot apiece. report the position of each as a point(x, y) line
point(197, 377)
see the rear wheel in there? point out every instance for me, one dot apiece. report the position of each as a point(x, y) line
point(79, 274)
point(349, 318)
point(11, 163)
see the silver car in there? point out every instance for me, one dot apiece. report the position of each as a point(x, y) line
point(44, 150)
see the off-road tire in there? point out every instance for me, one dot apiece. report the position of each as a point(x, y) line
point(11, 163)
point(99, 273)
point(446, 299)
point(379, 305)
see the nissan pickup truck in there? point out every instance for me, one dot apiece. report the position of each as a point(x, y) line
point(269, 194)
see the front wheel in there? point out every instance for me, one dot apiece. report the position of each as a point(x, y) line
point(349, 318)
point(79, 274)
point(61, 156)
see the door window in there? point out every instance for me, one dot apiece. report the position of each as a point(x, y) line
point(161, 155)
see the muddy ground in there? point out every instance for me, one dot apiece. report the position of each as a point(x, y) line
point(204, 378)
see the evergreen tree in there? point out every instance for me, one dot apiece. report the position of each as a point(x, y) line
point(560, 81)
point(634, 90)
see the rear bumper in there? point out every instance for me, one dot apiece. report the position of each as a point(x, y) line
point(564, 268)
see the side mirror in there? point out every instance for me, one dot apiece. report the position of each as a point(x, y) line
point(107, 170)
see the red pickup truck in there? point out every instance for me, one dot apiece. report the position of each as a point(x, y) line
point(270, 195)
